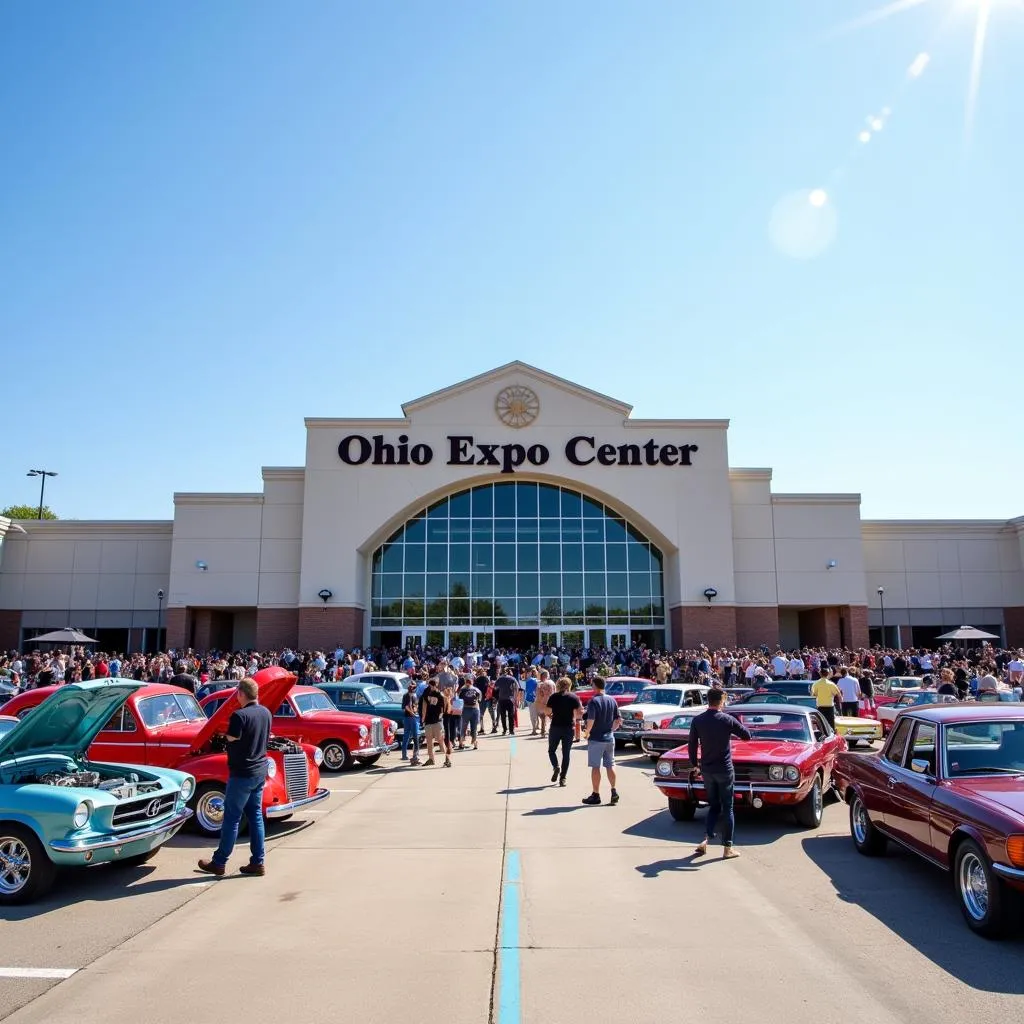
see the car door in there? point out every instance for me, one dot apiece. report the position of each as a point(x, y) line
point(911, 792)
point(120, 740)
point(878, 779)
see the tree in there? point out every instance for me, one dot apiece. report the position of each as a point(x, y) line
point(27, 512)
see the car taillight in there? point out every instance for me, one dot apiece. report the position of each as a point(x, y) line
point(1015, 850)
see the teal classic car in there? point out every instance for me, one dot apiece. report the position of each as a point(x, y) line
point(58, 809)
point(364, 699)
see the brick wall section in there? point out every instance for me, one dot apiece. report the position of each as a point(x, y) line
point(1014, 621)
point(176, 623)
point(756, 626)
point(675, 622)
point(202, 629)
point(857, 625)
point(713, 625)
point(323, 628)
point(10, 629)
point(277, 628)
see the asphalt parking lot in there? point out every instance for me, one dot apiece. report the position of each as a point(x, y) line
point(482, 893)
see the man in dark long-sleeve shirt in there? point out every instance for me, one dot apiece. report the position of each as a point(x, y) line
point(713, 732)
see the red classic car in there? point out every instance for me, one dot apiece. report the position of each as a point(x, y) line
point(949, 785)
point(307, 714)
point(673, 732)
point(889, 690)
point(623, 689)
point(787, 762)
point(164, 726)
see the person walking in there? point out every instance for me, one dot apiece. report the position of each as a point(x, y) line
point(564, 709)
point(711, 733)
point(826, 693)
point(471, 697)
point(506, 688)
point(432, 705)
point(545, 689)
point(247, 734)
point(602, 721)
point(411, 723)
point(849, 687)
point(530, 696)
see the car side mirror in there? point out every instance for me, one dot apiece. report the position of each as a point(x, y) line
point(921, 766)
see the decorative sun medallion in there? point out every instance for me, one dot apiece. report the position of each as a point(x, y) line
point(517, 406)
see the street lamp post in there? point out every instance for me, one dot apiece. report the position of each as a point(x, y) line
point(881, 602)
point(159, 617)
point(42, 474)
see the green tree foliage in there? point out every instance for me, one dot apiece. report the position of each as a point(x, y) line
point(27, 512)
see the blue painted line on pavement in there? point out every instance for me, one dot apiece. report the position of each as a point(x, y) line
point(512, 746)
point(508, 996)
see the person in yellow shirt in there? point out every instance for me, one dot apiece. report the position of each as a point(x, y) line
point(826, 693)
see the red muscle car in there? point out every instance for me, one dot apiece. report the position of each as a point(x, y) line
point(164, 726)
point(623, 689)
point(949, 785)
point(787, 762)
point(307, 714)
point(673, 732)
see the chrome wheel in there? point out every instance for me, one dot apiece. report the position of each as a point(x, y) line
point(335, 756)
point(210, 810)
point(859, 820)
point(973, 878)
point(818, 800)
point(15, 865)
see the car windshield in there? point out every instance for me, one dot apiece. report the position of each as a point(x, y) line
point(654, 695)
point(905, 683)
point(307, 702)
point(775, 726)
point(6, 727)
point(168, 708)
point(377, 695)
point(926, 697)
point(681, 722)
point(985, 748)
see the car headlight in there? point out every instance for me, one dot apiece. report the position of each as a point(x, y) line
point(271, 769)
point(664, 768)
point(187, 788)
point(775, 772)
point(81, 816)
point(363, 732)
point(792, 773)
point(318, 756)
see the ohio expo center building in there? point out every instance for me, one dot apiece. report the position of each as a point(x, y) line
point(514, 508)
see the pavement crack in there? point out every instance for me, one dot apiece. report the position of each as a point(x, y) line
point(501, 883)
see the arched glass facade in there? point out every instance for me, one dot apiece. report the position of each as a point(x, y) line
point(546, 562)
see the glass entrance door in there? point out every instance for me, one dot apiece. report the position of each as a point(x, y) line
point(618, 641)
point(598, 638)
point(412, 638)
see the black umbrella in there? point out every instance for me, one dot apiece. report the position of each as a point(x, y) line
point(67, 635)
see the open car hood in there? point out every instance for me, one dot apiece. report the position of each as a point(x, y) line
point(274, 683)
point(68, 720)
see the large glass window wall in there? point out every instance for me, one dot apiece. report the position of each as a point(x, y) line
point(517, 555)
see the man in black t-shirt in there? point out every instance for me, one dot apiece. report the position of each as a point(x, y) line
point(432, 708)
point(564, 709)
point(247, 735)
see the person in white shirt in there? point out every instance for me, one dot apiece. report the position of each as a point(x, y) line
point(358, 666)
point(796, 667)
point(926, 662)
point(850, 689)
point(339, 653)
point(472, 658)
point(1015, 670)
point(457, 663)
point(779, 665)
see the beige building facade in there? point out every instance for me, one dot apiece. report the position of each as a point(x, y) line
point(512, 508)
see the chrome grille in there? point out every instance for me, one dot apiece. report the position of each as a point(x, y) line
point(744, 772)
point(377, 733)
point(296, 776)
point(140, 812)
point(660, 744)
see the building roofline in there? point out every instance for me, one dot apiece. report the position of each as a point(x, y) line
point(214, 498)
point(749, 473)
point(815, 499)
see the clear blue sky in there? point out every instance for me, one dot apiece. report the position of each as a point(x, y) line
point(218, 218)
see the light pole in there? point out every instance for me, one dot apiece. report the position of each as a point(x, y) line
point(881, 601)
point(159, 617)
point(42, 474)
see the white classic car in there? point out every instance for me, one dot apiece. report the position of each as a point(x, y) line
point(911, 699)
point(656, 706)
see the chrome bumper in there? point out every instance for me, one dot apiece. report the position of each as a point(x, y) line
point(1005, 871)
point(282, 810)
point(384, 748)
point(750, 788)
point(106, 842)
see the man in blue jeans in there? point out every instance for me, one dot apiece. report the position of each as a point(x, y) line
point(247, 735)
point(713, 732)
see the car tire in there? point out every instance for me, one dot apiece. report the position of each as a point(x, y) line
point(337, 757)
point(868, 840)
point(681, 810)
point(982, 896)
point(809, 810)
point(208, 808)
point(369, 762)
point(34, 873)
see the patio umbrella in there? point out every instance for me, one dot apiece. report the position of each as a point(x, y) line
point(68, 635)
point(967, 633)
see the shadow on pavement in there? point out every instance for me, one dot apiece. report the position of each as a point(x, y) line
point(690, 863)
point(525, 789)
point(916, 900)
point(753, 828)
point(544, 811)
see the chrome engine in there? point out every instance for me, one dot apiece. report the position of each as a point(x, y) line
point(120, 789)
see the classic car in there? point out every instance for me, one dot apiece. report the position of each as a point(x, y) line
point(788, 762)
point(215, 686)
point(59, 809)
point(674, 733)
point(889, 689)
point(164, 726)
point(623, 689)
point(307, 715)
point(7, 723)
point(7, 691)
point(396, 683)
point(949, 786)
point(911, 699)
point(364, 698)
point(655, 705)
point(852, 728)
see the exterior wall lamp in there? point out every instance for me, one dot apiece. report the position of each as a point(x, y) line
point(831, 563)
point(710, 593)
point(325, 595)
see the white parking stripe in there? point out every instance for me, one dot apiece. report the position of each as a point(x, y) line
point(37, 972)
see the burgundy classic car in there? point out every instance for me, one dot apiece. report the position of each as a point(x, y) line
point(787, 762)
point(949, 785)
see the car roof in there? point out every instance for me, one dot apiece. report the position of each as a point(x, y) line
point(946, 713)
point(359, 676)
point(768, 709)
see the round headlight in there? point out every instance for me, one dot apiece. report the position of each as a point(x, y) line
point(186, 789)
point(792, 772)
point(363, 732)
point(664, 768)
point(775, 772)
point(318, 756)
point(271, 769)
point(81, 816)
